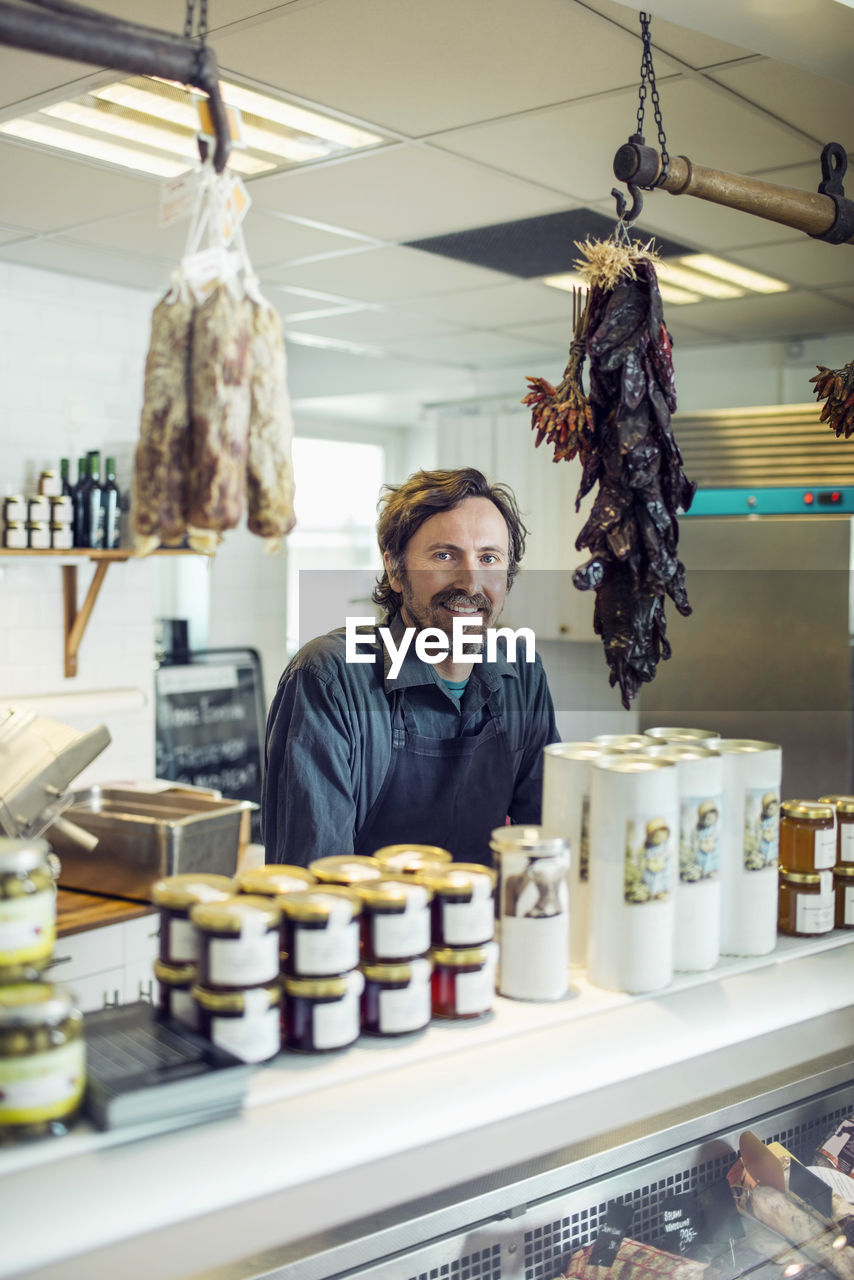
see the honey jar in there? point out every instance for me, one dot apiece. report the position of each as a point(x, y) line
point(843, 883)
point(320, 932)
point(409, 859)
point(395, 920)
point(463, 980)
point(463, 907)
point(175, 895)
point(396, 998)
point(806, 903)
point(247, 1023)
point(807, 835)
point(42, 1060)
point(346, 869)
point(175, 982)
point(238, 940)
point(322, 1013)
point(844, 806)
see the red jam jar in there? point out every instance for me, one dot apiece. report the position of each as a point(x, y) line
point(463, 908)
point(175, 991)
point(273, 881)
point(806, 903)
point(247, 1023)
point(395, 920)
point(320, 936)
point(463, 980)
point(175, 896)
point(843, 883)
point(346, 869)
point(239, 942)
point(807, 835)
point(396, 998)
point(409, 859)
point(322, 1013)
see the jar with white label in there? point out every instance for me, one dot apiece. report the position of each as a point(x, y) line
point(245, 1022)
point(38, 509)
point(27, 907)
point(61, 511)
point(320, 931)
point(322, 1013)
point(396, 998)
point(274, 880)
point(346, 869)
point(15, 535)
point(806, 903)
point(239, 941)
point(807, 835)
point(463, 980)
point(175, 896)
point(15, 509)
point(463, 908)
point(50, 484)
point(175, 983)
point(409, 859)
point(395, 920)
point(61, 536)
point(533, 909)
point(42, 1060)
point(843, 884)
point(844, 806)
point(38, 535)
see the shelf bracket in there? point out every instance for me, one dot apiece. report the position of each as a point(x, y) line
point(76, 620)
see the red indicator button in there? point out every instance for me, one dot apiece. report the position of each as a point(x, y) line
point(808, 499)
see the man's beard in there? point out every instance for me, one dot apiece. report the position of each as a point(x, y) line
point(433, 615)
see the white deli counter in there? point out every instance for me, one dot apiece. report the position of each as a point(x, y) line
point(339, 1161)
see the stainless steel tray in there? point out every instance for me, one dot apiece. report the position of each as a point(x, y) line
point(144, 835)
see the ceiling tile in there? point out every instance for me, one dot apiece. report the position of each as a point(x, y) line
point(811, 102)
point(79, 260)
point(417, 68)
point(300, 302)
point(804, 261)
point(503, 304)
point(692, 47)
point(796, 315)
point(369, 325)
point(384, 275)
point(402, 193)
point(45, 193)
point(475, 348)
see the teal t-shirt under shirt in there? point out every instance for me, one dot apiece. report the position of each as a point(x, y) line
point(455, 687)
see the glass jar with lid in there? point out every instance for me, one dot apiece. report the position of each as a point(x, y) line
point(463, 908)
point(175, 896)
point(346, 869)
point(27, 906)
point(844, 806)
point(807, 835)
point(533, 906)
point(843, 884)
point(320, 933)
point(42, 1059)
point(409, 859)
point(175, 982)
point(396, 998)
point(239, 941)
point(274, 880)
point(15, 537)
point(246, 1022)
point(463, 981)
point(395, 920)
point(322, 1013)
point(806, 902)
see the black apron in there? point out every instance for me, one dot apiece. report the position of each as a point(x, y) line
point(450, 792)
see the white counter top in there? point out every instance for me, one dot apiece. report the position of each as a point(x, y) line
point(330, 1138)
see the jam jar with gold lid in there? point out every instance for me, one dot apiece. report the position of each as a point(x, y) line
point(463, 980)
point(345, 869)
point(807, 835)
point(410, 859)
point(175, 896)
point(320, 931)
point(42, 1060)
point(395, 920)
point(273, 879)
point(175, 982)
point(843, 885)
point(844, 806)
point(806, 903)
point(246, 1022)
point(463, 908)
point(27, 906)
point(396, 998)
point(239, 941)
point(322, 1013)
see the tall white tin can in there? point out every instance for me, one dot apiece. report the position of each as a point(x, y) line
point(697, 927)
point(566, 809)
point(533, 912)
point(750, 841)
point(634, 825)
point(685, 737)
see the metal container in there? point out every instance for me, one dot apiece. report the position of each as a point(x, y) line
point(143, 836)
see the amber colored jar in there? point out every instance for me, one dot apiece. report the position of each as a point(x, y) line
point(322, 1013)
point(807, 835)
point(463, 980)
point(175, 895)
point(246, 1023)
point(844, 806)
point(320, 931)
point(238, 942)
point(396, 998)
point(806, 903)
point(346, 869)
point(395, 920)
point(175, 999)
point(463, 908)
point(409, 859)
point(843, 883)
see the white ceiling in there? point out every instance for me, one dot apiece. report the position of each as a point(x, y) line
point(498, 110)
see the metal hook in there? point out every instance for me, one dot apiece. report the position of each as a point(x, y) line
point(630, 217)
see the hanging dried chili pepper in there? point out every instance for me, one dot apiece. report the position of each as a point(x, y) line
point(836, 388)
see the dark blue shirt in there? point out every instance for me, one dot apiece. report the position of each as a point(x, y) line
point(329, 735)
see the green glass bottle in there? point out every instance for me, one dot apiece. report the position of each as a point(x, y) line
point(111, 502)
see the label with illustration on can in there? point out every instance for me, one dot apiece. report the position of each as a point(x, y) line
point(648, 860)
point(761, 828)
point(699, 838)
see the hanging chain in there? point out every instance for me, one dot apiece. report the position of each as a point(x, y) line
point(647, 81)
point(190, 17)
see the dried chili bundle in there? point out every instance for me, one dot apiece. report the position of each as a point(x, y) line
point(632, 532)
point(836, 388)
point(561, 415)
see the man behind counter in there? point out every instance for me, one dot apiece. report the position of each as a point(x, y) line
point(441, 754)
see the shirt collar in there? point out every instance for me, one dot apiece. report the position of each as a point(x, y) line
point(415, 672)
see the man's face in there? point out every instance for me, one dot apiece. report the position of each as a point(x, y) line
point(455, 565)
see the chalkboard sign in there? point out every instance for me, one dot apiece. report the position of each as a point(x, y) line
point(210, 719)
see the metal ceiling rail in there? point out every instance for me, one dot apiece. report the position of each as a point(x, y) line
point(67, 30)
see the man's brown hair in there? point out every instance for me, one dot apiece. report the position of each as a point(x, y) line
point(404, 508)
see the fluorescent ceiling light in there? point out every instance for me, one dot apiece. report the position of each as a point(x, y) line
point(152, 125)
point(694, 281)
point(567, 280)
point(676, 296)
point(753, 281)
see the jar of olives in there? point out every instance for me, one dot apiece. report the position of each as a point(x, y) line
point(42, 1060)
point(27, 906)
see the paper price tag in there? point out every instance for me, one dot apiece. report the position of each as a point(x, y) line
point(178, 197)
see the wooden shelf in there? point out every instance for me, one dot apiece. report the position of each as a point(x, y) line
point(75, 621)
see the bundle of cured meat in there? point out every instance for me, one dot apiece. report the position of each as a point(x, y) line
point(621, 433)
point(635, 1261)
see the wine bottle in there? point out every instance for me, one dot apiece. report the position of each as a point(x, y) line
point(78, 503)
point(64, 472)
point(94, 503)
point(111, 501)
